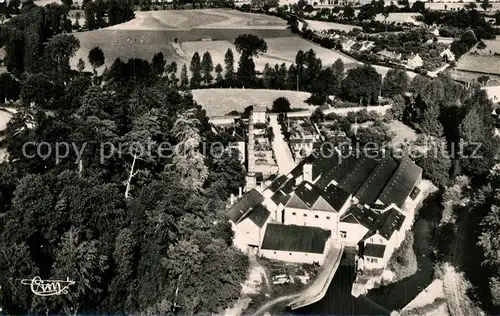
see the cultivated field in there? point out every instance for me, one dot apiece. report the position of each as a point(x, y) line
point(280, 50)
point(457, 5)
point(4, 118)
point(399, 17)
point(219, 102)
point(200, 18)
point(482, 60)
point(402, 131)
point(155, 31)
point(320, 25)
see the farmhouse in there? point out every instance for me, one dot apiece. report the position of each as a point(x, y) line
point(434, 30)
point(362, 202)
point(389, 55)
point(447, 55)
point(414, 61)
point(379, 245)
point(292, 243)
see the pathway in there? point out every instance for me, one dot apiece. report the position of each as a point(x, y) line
point(280, 147)
point(316, 291)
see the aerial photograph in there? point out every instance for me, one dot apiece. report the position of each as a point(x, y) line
point(250, 157)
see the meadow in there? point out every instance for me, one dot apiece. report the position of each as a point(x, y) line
point(155, 31)
point(280, 50)
point(482, 60)
point(219, 102)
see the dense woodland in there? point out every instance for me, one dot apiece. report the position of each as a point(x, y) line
point(130, 229)
point(136, 229)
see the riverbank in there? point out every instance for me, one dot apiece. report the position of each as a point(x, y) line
point(403, 262)
point(397, 295)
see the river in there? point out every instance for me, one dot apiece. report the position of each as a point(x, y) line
point(339, 301)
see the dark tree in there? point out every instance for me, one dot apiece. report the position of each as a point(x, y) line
point(229, 65)
point(96, 58)
point(158, 63)
point(246, 75)
point(195, 68)
point(281, 105)
point(184, 81)
point(218, 71)
point(362, 84)
point(207, 67)
point(10, 87)
point(395, 82)
point(250, 45)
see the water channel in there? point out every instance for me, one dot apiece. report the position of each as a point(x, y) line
point(338, 299)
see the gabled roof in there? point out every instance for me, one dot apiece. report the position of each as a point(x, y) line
point(242, 206)
point(295, 238)
point(361, 215)
point(401, 183)
point(389, 222)
point(280, 197)
point(337, 172)
point(327, 160)
point(356, 46)
point(308, 193)
point(288, 187)
point(309, 196)
point(259, 215)
point(353, 181)
point(336, 197)
point(374, 250)
point(375, 183)
point(277, 183)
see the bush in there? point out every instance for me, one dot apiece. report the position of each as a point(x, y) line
point(260, 125)
point(280, 105)
point(403, 261)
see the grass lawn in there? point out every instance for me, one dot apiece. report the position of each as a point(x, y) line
point(155, 31)
point(4, 118)
point(483, 60)
point(399, 17)
point(457, 5)
point(199, 18)
point(219, 102)
point(280, 50)
point(402, 132)
point(320, 25)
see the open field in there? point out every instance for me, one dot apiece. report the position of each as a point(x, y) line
point(199, 18)
point(402, 131)
point(280, 50)
point(482, 60)
point(457, 5)
point(218, 102)
point(154, 31)
point(4, 118)
point(320, 25)
point(144, 44)
point(399, 17)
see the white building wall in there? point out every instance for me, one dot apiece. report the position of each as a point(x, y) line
point(354, 233)
point(373, 263)
point(300, 217)
point(247, 233)
point(259, 117)
point(349, 202)
point(296, 257)
point(376, 239)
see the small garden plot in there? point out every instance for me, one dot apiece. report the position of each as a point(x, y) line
point(218, 102)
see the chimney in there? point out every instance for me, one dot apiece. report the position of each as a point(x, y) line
point(240, 192)
point(232, 199)
point(307, 172)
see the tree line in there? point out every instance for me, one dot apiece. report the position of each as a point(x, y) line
point(131, 230)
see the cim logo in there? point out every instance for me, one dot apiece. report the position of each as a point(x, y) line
point(48, 287)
